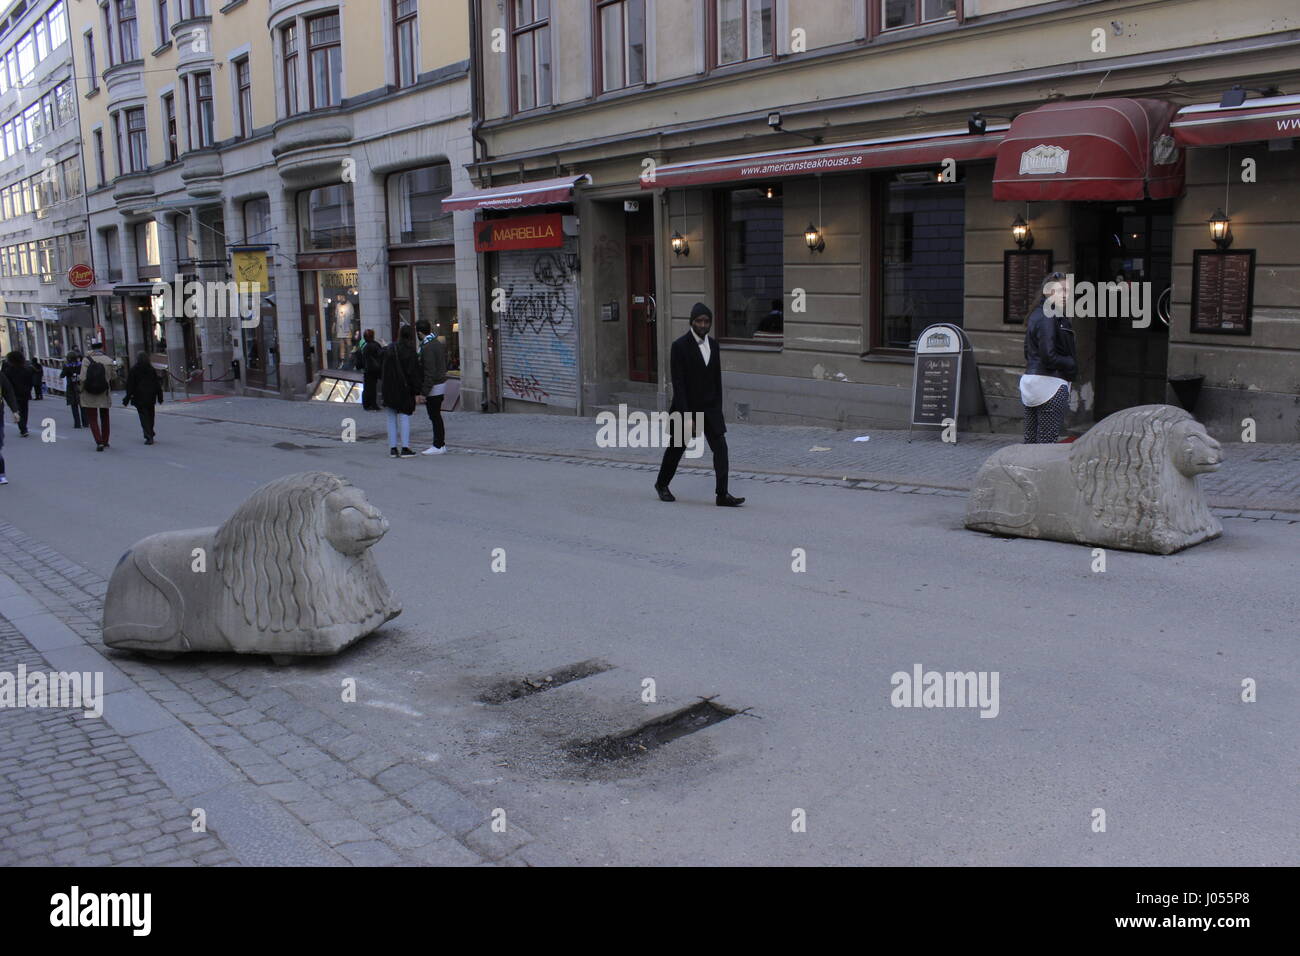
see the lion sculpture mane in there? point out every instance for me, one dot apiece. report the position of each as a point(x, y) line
point(1129, 482)
point(289, 573)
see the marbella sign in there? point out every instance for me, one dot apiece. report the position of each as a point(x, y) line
point(519, 232)
point(81, 276)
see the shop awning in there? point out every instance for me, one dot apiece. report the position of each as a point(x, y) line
point(540, 192)
point(917, 149)
point(1209, 124)
point(134, 288)
point(1112, 149)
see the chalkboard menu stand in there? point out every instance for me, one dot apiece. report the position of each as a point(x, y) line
point(944, 369)
point(1223, 288)
point(1023, 272)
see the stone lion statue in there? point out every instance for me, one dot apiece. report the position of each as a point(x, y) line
point(1130, 483)
point(289, 573)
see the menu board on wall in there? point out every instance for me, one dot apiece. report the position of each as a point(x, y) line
point(1223, 285)
point(1022, 281)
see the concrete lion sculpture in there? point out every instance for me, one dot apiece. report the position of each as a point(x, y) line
point(289, 573)
point(1130, 483)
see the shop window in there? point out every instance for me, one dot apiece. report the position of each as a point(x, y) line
point(327, 219)
point(338, 313)
point(324, 61)
point(921, 238)
point(415, 205)
point(909, 13)
point(531, 53)
point(744, 29)
point(404, 42)
point(752, 266)
point(621, 34)
point(428, 291)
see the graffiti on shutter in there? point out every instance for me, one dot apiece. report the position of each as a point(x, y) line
point(539, 326)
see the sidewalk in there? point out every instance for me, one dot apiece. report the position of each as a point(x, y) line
point(1262, 478)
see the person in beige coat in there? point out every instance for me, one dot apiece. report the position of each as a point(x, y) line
point(97, 395)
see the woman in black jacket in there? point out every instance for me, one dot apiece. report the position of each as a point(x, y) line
point(22, 377)
point(72, 391)
point(402, 377)
point(144, 391)
point(1050, 363)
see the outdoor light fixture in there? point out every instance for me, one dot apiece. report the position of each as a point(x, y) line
point(977, 124)
point(774, 119)
point(1021, 232)
point(813, 237)
point(1237, 95)
point(680, 245)
point(1221, 229)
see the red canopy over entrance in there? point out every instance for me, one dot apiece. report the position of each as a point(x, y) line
point(1276, 117)
point(541, 192)
point(1113, 149)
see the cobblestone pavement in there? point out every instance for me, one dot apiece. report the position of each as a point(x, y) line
point(281, 780)
point(1260, 478)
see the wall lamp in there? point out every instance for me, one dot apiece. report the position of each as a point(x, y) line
point(1237, 95)
point(680, 246)
point(1221, 229)
point(978, 123)
point(813, 238)
point(1021, 232)
point(774, 124)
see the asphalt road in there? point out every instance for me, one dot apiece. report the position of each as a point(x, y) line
point(1117, 690)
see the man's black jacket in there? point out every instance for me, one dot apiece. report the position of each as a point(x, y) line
point(697, 388)
point(1049, 345)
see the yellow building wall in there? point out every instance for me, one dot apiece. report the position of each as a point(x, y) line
point(444, 33)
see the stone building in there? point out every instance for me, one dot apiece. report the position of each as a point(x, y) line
point(833, 176)
point(315, 137)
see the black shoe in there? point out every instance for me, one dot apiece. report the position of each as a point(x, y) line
point(99, 448)
point(727, 501)
point(148, 441)
point(392, 453)
point(407, 453)
point(664, 493)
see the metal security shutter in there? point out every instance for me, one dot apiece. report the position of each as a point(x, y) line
point(539, 326)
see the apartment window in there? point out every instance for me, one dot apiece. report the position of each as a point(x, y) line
point(621, 35)
point(26, 58)
point(90, 61)
point(531, 50)
point(324, 61)
point(415, 205)
point(752, 264)
point(404, 44)
point(244, 83)
point(136, 141)
point(169, 127)
point(127, 31)
point(181, 238)
point(745, 30)
point(921, 243)
point(146, 244)
point(197, 8)
point(327, 218)
point(118, 154)
point(203, 110)
point(108, 35)
point(289, 48)
point(257, 221)
point(42, 32)
point(164, 24)
point(58, 20)
point(71, 174)
point(64, 108)
point(909, 13)
point(100, 174)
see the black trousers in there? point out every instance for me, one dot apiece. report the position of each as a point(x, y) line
point(78, 416)
point(677, 448)
point(1043, 423)
point(22, 415)
point(146, 413)
point(370, 392)
point(434, 405)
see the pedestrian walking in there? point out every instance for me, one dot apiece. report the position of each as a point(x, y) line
point(96, 393)
point(9, 400)
point(1050, 363)
point(144, 390)
point(24, 381)
point(401, 377)
point(71, 374)
point(433, 359)
point(369, 358)
point(697, 387)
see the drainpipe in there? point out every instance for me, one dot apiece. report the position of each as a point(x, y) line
point(476, 82)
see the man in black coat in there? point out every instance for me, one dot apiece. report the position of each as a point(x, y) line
point(697, 387)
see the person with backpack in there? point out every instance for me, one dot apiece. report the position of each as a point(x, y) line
point(145, 392)
point(96, 394)
point(402, 377)
point(8, 399)
point(25, 380)
point(72, 391)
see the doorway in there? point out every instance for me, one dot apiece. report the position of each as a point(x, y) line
point(1133, 243)
point(642, 307)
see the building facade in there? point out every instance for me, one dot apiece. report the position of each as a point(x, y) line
point(302, 145)
point(835, 176)
point(42, 202)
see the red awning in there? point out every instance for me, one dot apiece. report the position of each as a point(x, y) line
point(540, 192)
point(922, 149)
point(1111, 149)
point(1276, 117)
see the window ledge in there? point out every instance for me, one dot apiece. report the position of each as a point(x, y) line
point(232, 5)
point(748, 346)
point(93, 91)
point(891, 358)
point(163, 48)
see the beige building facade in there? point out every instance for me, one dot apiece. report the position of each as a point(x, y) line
point(834, 177)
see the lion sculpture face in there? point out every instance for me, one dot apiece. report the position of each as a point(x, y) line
point(1192, 451)
point(352, 524)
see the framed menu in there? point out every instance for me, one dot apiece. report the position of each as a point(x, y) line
point(1023, 272)
point(1223, 286)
